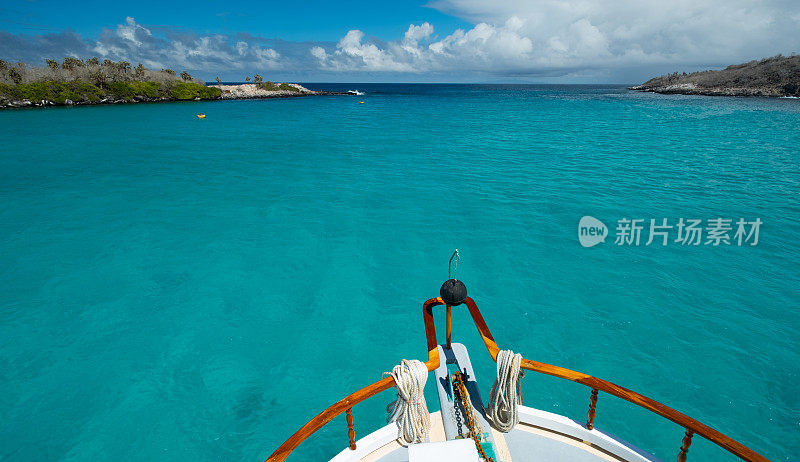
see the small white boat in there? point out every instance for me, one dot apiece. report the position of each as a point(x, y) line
point(465, 430)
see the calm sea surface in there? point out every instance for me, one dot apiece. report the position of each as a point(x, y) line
point(181, 289)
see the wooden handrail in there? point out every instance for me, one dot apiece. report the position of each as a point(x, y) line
point(340, 406)
point(327, 415)
point(692, 426)
point(738, 449)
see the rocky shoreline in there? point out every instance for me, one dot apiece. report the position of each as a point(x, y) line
point(228, 92)
point(693, 89)
point(26, 103)
point(778, 76)
point(255, 91)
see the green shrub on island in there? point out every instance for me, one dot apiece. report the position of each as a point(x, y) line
point(79, 81)
point(129, 90)
point(85, 92)
point(153, 90)
point(287, 87)
point(188, 90)
point(57, 92)
point(270, 86)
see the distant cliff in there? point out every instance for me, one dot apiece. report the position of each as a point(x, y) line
point(776, 76)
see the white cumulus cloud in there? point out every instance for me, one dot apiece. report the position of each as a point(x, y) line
point(211, 52)
point(622, 32)
point(562, 36)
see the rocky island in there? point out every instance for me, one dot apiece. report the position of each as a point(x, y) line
point(78, 82)
point(775, 76)
point(269, 90)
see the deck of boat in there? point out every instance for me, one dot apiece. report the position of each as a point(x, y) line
point(540, 436)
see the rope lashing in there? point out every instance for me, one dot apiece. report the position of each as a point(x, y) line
point(409, 410)
point(506, 395)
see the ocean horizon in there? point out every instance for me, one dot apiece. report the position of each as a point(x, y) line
point(176, 288)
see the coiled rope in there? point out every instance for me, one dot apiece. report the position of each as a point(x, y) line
point(506, 395)
point(410, 411)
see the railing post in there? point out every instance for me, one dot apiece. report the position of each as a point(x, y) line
point(449, 329)
point(592, 405)
point(687, 441)
point(351, 431)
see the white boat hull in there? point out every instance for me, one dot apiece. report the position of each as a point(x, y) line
point(540, 436)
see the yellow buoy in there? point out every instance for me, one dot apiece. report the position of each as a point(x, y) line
point(360, 102)
point(201, 116)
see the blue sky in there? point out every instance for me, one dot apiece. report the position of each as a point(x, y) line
point(311, 20)
point(614, 41)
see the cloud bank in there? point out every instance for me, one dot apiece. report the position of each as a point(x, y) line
point(515, 38)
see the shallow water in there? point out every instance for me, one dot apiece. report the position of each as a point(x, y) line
point(177, 289)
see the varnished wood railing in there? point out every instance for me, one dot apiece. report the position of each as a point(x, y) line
point(327, 415)
point(345, 405)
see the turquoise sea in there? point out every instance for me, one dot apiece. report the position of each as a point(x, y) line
point(179, 289)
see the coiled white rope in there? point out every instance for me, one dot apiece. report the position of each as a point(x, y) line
point(410, 411)
point(506, 395)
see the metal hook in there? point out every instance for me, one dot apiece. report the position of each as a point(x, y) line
point(457, 256)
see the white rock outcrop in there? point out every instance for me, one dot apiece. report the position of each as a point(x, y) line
point(252, 90)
